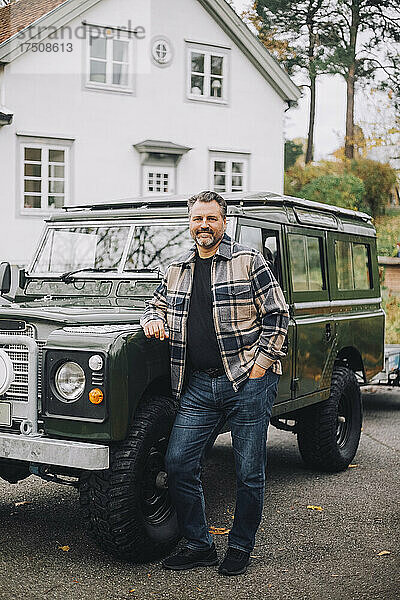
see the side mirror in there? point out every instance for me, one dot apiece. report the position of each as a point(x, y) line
point(22, 278)
point(5, 277)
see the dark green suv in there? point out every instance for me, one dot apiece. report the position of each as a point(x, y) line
point(84, 395)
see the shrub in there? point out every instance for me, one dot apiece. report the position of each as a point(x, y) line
point(378, 180)
point(340, 190)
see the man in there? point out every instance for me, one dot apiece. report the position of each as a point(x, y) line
point(226, 319)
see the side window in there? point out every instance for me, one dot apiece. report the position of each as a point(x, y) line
point(265, 241)
point(353, 265)
point(306, 263)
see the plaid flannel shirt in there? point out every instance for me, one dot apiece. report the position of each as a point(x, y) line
point(249, 310)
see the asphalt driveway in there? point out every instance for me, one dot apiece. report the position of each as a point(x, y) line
point(349, 550)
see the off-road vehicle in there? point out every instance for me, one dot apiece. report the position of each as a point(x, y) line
point(85, 398)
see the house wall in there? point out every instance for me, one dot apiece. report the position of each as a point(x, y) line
point(47, 94)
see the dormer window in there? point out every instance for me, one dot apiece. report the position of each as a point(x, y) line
point(207, 73)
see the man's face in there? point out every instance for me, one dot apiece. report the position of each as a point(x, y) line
point(206, 223)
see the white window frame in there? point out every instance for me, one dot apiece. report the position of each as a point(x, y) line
point(44, 194)
point(208, 51)
point(171, 171)
point(228, 159)
point(109, 85)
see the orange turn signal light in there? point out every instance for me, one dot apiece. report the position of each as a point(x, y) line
point(96, 396)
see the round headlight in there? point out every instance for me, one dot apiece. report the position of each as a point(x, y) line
point(96, 362)
point(70, 381)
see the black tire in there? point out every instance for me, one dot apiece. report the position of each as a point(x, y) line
point(125, 511)
point(13, 471)
point(329, 432)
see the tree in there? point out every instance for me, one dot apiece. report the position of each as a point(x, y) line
point(346, 190)
point(378, 179)
point(333, 182)
point(292, 152)
point(298, 23)
point(358, 37)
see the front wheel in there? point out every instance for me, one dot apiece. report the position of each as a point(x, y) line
point(329, 432)
point(127, 508)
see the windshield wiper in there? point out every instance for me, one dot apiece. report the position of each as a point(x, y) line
point(67, 277)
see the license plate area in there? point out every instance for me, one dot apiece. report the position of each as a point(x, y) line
point(5, 414)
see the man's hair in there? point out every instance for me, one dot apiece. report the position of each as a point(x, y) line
point(208, 196)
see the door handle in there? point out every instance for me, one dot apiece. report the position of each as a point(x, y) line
point(328, 332)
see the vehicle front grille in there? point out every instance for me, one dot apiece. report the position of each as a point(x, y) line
point(18, 391)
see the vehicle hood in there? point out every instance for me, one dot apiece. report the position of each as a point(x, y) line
point(75, 311)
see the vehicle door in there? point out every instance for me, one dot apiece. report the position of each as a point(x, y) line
point(310, 308)
point(267, 238)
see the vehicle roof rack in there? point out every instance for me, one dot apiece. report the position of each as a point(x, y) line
point(240, 199)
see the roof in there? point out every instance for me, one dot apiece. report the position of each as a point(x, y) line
point(307, 212)
point(53, 14)
point(161, 146)
point(15, 17)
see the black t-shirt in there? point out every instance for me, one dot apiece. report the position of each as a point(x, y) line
point(202, 346)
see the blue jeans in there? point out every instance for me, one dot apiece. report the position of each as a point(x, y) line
point(206, 404)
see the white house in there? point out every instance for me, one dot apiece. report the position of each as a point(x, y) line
point(112, 99)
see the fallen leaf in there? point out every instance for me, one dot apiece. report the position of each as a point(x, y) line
point(219, 530)
point(131, 591)
point(314, 507)
point(353, 466)
point(22, 503)
point(63, 548)
point(383, 553)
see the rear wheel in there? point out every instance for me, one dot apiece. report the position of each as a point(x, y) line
point(329, 432)
point(127, 508)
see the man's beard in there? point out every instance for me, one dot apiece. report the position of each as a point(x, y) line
point(208, 242)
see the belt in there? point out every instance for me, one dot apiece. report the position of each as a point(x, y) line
point(213, 372)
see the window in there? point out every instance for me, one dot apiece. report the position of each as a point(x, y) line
point(207, 73)
point(265, 241)
point(353, 266)
point(158, 180)
point(109, 61)
point(44, 177)
point(306, 263)
point(67, 249)
point(228, 174)
point(162, 52)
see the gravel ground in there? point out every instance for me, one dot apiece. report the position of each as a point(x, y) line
point(301, 554)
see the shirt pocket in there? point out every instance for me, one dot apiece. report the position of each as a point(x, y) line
point(234, 302)
point(175, 309)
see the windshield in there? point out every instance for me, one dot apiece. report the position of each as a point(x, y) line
point(81, 248)
point(157, 246)
point(73, 248)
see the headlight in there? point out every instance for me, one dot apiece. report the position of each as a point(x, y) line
point(70, 381)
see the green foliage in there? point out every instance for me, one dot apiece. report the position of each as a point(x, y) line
point(298, 176)
point(378, 180)
point(388, 233)
point(292, 152)
point(391, 306)
point(340, 190)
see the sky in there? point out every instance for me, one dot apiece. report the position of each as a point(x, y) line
point(330, 111)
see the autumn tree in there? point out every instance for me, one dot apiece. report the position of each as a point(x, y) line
point(297, 25)
point(359, 37)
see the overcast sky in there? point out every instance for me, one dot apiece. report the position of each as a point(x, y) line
point(330, 111)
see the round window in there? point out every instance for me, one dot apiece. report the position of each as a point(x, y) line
point(162, 51)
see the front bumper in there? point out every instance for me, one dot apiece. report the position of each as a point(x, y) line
point(66, 453)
